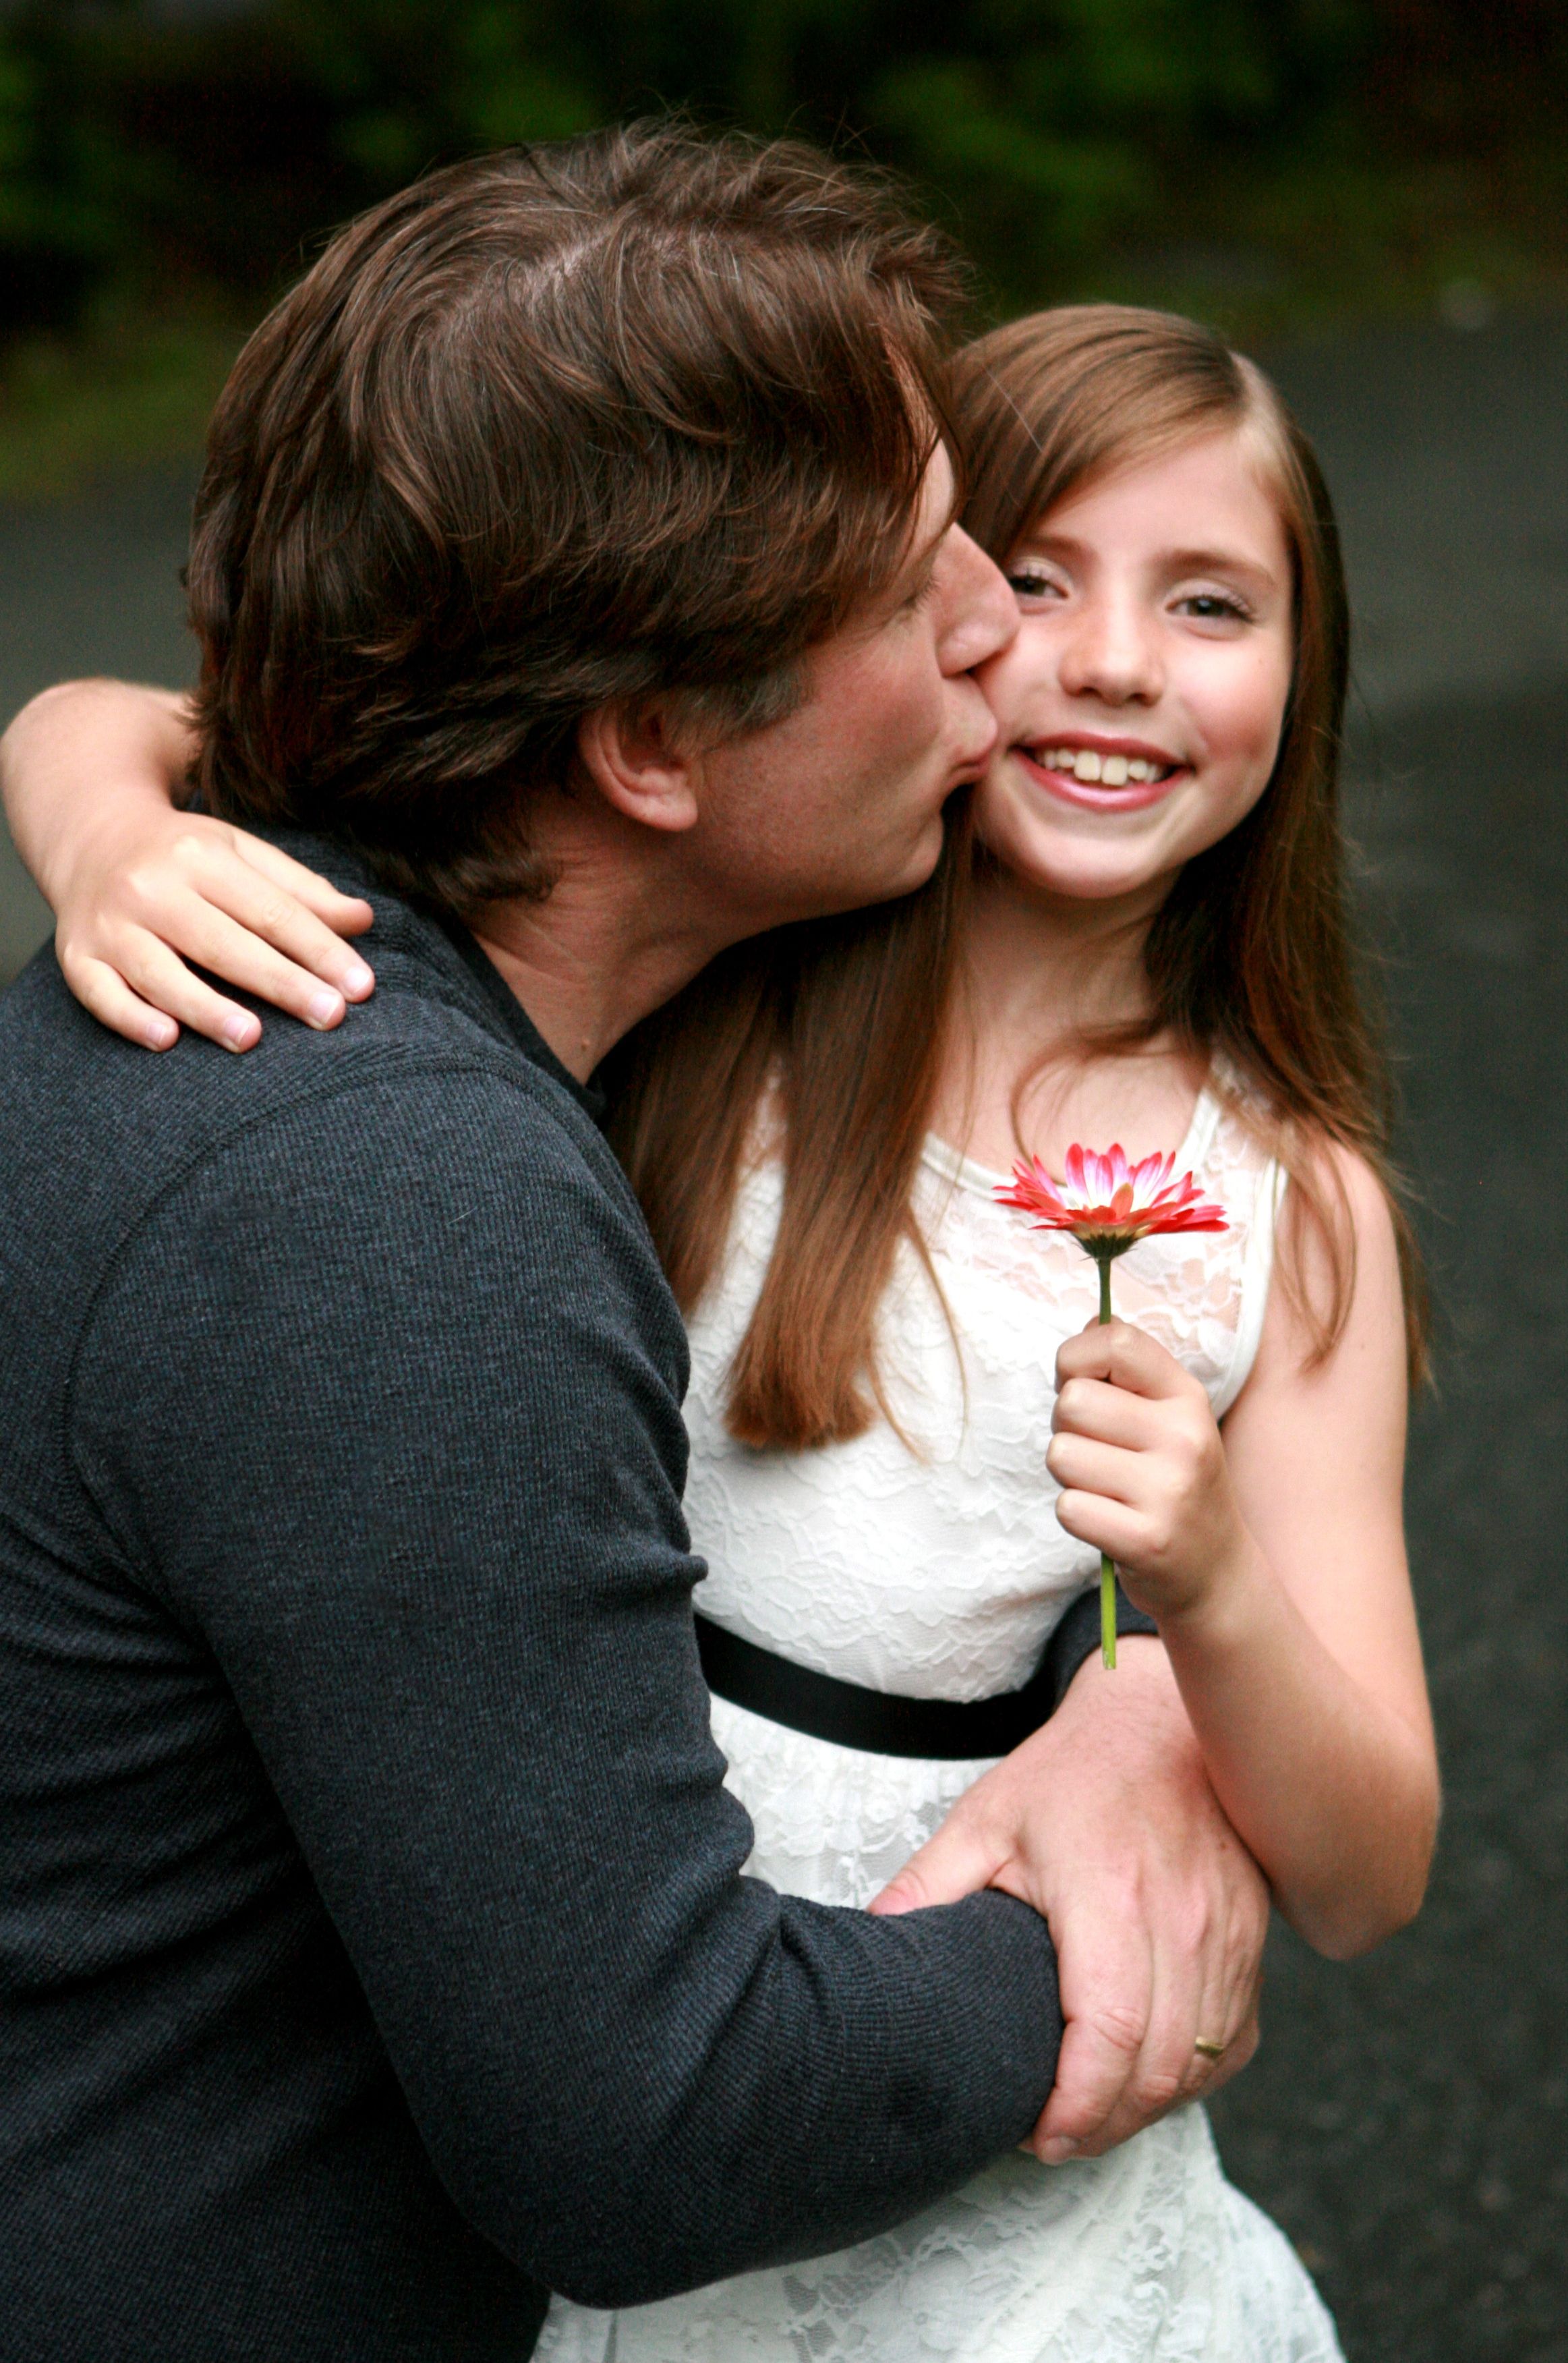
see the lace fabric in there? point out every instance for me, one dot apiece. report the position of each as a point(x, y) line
point(1146, 2254)
point(942, 1576)
point(940, 1572)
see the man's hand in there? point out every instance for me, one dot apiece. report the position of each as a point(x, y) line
point(1105, 1822)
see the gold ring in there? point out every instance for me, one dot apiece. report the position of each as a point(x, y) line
point(1209, 2048)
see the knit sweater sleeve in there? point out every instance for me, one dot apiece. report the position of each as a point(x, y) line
point(383, 1398)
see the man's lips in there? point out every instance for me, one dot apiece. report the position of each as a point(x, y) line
point(970, 766)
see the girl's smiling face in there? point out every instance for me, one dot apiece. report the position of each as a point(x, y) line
point(1141, 704)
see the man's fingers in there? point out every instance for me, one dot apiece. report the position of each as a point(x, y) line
point(1238, 2050)
point(1168, 2067)
point(1212, 2016)
point(1231, 2016)
point(1100, 2052)
point(1105, 1969)
point(956, 1862)
point(1231, 1981)
point(1206, 1980)
point(1124, 2065)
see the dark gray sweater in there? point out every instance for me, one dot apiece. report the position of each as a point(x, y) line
point(373, 1950)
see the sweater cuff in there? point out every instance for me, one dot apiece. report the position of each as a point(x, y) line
point(1077, 1636)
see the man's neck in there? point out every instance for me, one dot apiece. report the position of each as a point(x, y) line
point(610, 942)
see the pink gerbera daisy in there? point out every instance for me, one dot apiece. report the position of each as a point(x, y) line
point(1109, 1205)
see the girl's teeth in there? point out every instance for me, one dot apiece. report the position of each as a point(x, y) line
point(1113, 770)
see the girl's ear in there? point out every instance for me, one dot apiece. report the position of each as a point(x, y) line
point(633, 756)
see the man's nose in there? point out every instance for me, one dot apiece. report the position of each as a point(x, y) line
point(979, 614)
point(1110, 654)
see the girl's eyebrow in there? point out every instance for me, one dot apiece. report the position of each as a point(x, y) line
point(1170, 561)
point(1216, 562)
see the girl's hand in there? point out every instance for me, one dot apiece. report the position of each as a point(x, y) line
point(156, 888)
point(1138, 1456)
point(92, 774)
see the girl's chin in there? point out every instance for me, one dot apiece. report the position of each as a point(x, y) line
point(1079, 869)
point(1063, 885)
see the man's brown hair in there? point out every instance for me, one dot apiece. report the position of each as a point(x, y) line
point(641, 412)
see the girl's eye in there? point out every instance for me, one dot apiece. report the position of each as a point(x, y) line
point(1027, 584)
point(1215, 607)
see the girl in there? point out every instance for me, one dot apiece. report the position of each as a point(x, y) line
point(911, 1440)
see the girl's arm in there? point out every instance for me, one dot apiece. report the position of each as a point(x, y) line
point(1275, 1563)
point(94, 774)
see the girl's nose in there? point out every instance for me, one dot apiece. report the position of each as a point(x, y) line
point(1111, 655)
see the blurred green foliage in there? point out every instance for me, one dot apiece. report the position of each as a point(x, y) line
point(1252, 158)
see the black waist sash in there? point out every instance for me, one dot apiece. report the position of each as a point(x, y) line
point(881, 1721)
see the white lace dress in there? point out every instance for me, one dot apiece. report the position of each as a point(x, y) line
point(942, 1576)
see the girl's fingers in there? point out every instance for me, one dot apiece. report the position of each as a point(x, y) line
point(161, 978)
point(1125, 1357)
point(1083, 1464)
point(105, 995)
point(276, 941)
point(1111, 1414)
point(150, 1007)
point(1107, 1526)
point(308, 931)
point(199, 931)
point(346, 915)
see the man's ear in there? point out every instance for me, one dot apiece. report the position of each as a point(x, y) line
point(639, 762)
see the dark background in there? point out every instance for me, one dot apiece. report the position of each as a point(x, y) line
point(1258, 147)
point(1374, 198)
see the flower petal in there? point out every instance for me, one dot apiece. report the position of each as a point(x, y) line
point(1104, 1197)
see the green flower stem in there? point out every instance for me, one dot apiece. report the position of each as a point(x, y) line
point(1107, 1570)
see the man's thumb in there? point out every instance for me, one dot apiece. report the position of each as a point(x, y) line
point(957, 1861)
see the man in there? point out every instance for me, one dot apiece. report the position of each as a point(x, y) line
point(575, 555)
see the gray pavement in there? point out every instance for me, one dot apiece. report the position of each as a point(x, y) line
point(89, 586)
point(1408, 2118)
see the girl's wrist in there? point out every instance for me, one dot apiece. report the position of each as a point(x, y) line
point(123, 819)
point(1217, 1613)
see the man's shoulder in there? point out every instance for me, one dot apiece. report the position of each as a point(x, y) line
point(419, 1101)
point(425, 1010)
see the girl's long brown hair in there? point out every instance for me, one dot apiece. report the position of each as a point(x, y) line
point(1249, 961)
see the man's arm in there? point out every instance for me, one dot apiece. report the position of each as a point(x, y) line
point(1107, 1823)
point(384, 1399)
